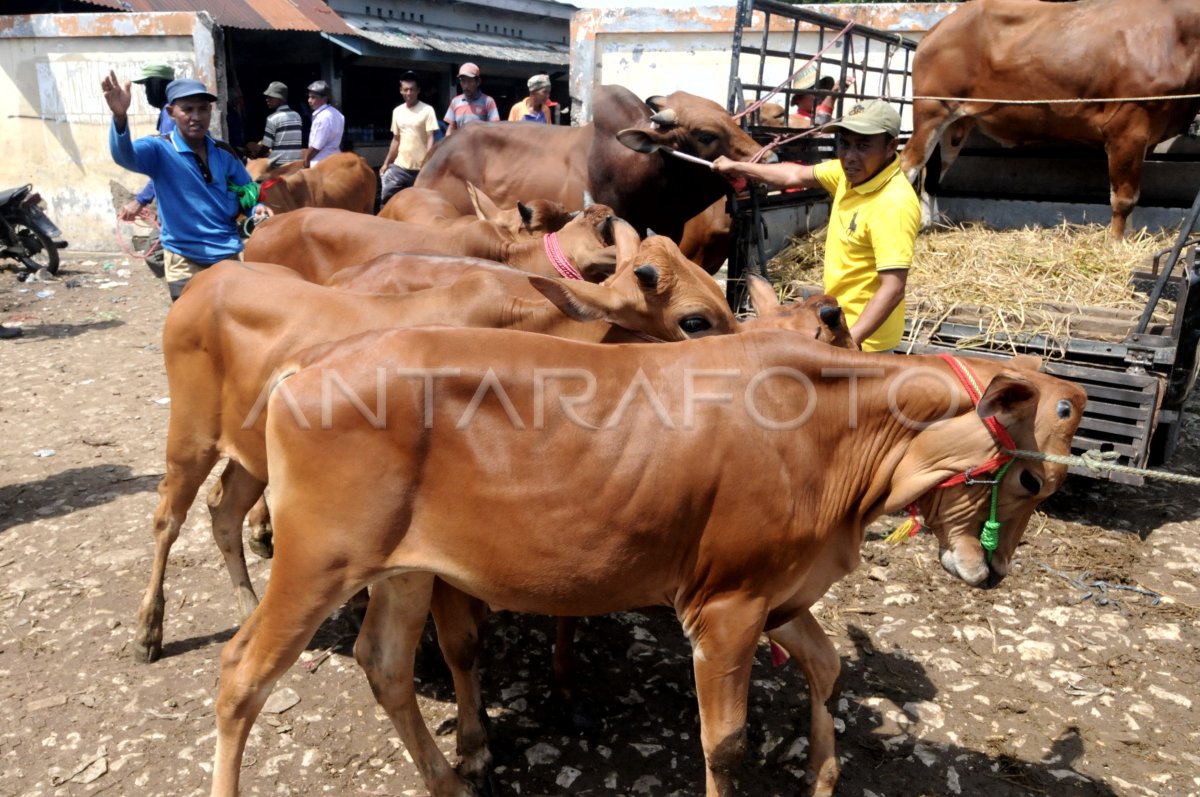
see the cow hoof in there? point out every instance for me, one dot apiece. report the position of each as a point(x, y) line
point(264, 546)
point(147, 651)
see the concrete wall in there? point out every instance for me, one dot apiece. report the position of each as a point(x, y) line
point(55, 132)
point(658, 51)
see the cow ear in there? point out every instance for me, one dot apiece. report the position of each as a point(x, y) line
point(485, 208)
point(581, 301)
point(627, 241)
point(762, 296)
point(640, 140)
point(1008, 396)
point(1030, 362)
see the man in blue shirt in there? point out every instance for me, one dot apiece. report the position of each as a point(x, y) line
point(194, 175)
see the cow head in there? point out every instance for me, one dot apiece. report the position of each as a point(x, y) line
point(536, 216)
point(655, 291)
point(588, 242)
point(818, 316)
point(1041, 413)
point(690, 124)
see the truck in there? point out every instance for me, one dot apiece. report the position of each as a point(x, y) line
point(1138, 370)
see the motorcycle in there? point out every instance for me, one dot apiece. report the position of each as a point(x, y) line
point(27, 234)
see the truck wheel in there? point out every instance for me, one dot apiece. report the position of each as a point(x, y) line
point(40, 251)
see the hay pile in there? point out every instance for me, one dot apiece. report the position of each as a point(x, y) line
point(1035, 281)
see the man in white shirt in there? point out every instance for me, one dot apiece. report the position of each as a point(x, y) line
point(413, 126)
point(325, 137)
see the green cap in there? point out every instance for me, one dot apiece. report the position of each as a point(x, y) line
point(869, 118)
point(156, 69)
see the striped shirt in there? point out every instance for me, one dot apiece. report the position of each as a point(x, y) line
point(480, 108)
point(284, 135)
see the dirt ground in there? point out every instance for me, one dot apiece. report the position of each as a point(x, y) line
point(1059, 682)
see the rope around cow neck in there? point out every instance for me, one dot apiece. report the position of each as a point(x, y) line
point(1075, 101)
point(1098, 461)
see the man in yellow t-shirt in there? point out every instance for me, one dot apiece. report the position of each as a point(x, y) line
point(413, 126)
point(872, 224)
point(537, 106)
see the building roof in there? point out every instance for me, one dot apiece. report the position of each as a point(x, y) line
point(403, 35)
point(300, 15)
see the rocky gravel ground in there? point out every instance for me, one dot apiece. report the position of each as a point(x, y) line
point(1078, 676)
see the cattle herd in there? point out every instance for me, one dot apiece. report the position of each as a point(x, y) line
point(499, 393)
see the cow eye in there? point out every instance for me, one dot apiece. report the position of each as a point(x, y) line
point(706, 139)
point(1030, 482)
point(694, 324)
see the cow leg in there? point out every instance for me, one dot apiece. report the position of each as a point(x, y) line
point(804, 640)
point(262, 537)
point(386, 648)
point(300, 594)
point(1125, 160)
point(459, 619)
point(176, 492)
point(228, 503)
point(724, 635)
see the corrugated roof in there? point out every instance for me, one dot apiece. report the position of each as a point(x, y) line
point(307, 15)
point(418, 36)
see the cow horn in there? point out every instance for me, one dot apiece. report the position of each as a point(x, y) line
point(526, 213)
point(665, 118)
point(647, 275)
point(650, 233)
point(831, 314)
point(587, 200)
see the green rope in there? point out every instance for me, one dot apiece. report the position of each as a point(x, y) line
point(247, 194)
point(1097, 462)
point(989, 538)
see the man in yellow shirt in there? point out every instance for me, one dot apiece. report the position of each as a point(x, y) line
point(872, 224)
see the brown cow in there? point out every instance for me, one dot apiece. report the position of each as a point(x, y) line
point(260, 169)
point(616, 159)
point(319, 242)
point(221, 343)
point(426, 206)
point(1091, 49)
point(663, 513)
point(342, 181)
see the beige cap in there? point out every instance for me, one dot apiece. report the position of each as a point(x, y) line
point(871, 117)
point(806, 78)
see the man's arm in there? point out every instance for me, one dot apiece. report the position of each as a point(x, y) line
point(881, 305)
point(393, 149)
point(773, 175)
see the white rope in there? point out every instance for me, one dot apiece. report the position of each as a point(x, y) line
point(1097, 461)
point(1077, 101)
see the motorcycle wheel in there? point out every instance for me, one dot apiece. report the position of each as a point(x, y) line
point(40, 251)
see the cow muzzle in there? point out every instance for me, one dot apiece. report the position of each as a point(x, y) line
point(966, 559)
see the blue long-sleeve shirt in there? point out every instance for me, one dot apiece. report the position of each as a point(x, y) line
point(198, 212)
point(165, 125)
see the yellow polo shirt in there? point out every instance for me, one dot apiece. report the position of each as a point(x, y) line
point(872, 228)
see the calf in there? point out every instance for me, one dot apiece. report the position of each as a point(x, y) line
point(318, 243)
point(663, 513)
point(428, 207)
point(222, 342)
point(342, 181)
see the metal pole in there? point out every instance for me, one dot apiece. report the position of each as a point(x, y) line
point(1184, 232)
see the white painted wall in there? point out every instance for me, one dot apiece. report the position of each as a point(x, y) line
point(56, 131)
point(672, 47)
